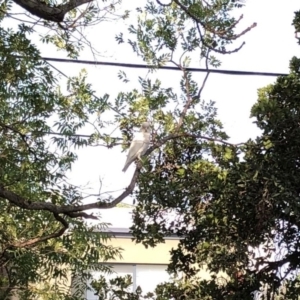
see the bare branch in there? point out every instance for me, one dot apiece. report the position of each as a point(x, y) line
point(206, 75)
point(128, 190)
point(214, 49)
point(71, 211)
point(221, 34)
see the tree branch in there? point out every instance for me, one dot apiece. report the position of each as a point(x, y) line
point(190, 99)
point(221, 34)
point(34, 241)
point(206, 76)
point(73, 211)
point(165, 5)
point(223, 51)
point(275, 265)
point(195, 136)
point(188, 102)
point(51, 13)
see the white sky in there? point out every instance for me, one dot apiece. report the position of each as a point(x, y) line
point(269, 47)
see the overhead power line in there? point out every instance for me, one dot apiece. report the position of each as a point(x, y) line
point(143, 66)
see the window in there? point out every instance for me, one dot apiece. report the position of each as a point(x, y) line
point(149, 276)
point(145, 276)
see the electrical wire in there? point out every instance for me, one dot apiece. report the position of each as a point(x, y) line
point(171, 68)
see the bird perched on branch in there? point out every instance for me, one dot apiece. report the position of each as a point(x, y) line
point(139, 145)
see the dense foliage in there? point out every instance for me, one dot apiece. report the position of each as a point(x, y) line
point(231, 201)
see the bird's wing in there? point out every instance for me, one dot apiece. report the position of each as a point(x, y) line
point(147, 136)
point(146, 143)
point(139, 136)
point(134, 150)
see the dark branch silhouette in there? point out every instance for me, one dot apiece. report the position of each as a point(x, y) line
point(50, 13)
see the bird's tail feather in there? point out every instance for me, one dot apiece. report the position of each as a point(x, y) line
point(126, 166)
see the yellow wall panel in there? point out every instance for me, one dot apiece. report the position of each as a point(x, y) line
point(137, 253)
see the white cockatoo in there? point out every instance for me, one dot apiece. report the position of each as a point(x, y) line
point(139, 145)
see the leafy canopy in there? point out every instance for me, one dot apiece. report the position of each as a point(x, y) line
point(192, 170)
